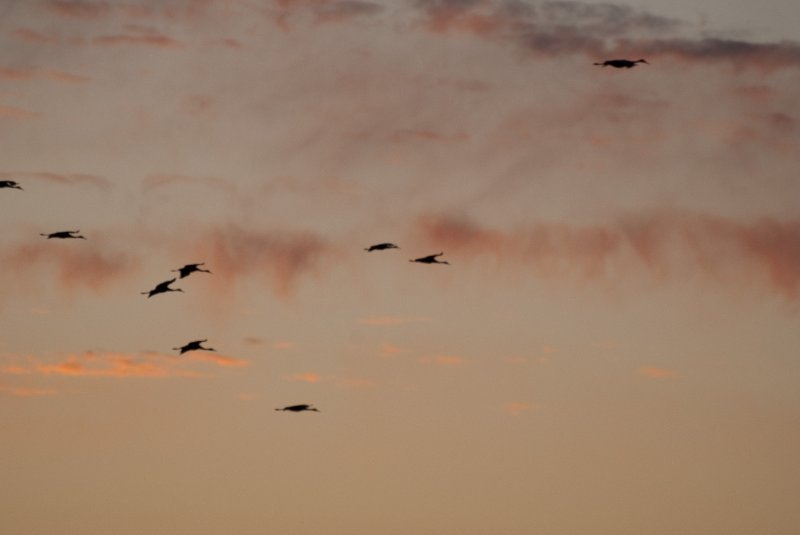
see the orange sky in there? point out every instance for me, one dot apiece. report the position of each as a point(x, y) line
point(611, 350)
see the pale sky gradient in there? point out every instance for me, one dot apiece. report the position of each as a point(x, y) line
point(613, 349)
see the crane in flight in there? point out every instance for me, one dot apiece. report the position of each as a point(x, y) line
point(195, 345)
point(188, 269)
point(431, 259)
point(64, 235)
point(381, 247)
point(621, 63)
point(9, 184)
point(299, 408)
point(161, 288)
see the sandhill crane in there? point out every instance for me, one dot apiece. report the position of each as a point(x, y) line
point(161, 288)
point(299, 408)
point(9, 184)
point(381, 247)
point(194, 346)
point(621, 63)
point(431, 259)
point(64, 235)
point(188, 269)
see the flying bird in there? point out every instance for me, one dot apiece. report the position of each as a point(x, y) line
point(162, 288)
point(299, 408)
point(188, 269)
point(381, 247)
point(9, 184)
point(64, 235)
point(194, 346)
point(431, 259)
point(621, 63)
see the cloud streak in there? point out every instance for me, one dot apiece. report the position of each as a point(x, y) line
point(662, 244)
point(118, 365)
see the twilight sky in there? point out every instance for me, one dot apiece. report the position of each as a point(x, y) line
point(613, 349)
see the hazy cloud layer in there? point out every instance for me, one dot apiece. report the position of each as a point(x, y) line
point(555, 29)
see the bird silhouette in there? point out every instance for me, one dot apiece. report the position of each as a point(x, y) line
point(64, 235)
point(299, 408)
point(9, 184)
point(194, 346)
point(621, 63)
point(162, 288)
point(431, 259)
point(188, 269)
point(381, 247)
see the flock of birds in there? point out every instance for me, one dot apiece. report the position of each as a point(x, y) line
point(188, 269)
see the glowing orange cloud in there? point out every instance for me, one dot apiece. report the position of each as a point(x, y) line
point(119, 365)
point(219, 360)
point(106, 365)
point(307, 377)
point(517, 408)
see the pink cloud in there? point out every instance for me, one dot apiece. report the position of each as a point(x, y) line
point(660, 244)
point(280, 258)
point(85, 266)
point(77, 9)
point(152, 40)
point(12, 112)
point(32, 36)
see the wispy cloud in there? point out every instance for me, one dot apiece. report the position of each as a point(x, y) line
point(87, 266)
point(159, 181)
point(657, 373)
point(443, 360)
point(150, 40)
point(290, 12)
point(34, 73)
point(20, 114)
point(280, 258)
point(515, 408)
point(105, 364)
point(220, 360)
point(307, 377)
point(658, 243)
point(27, 392)
point(77, 9)
point(384, 321)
